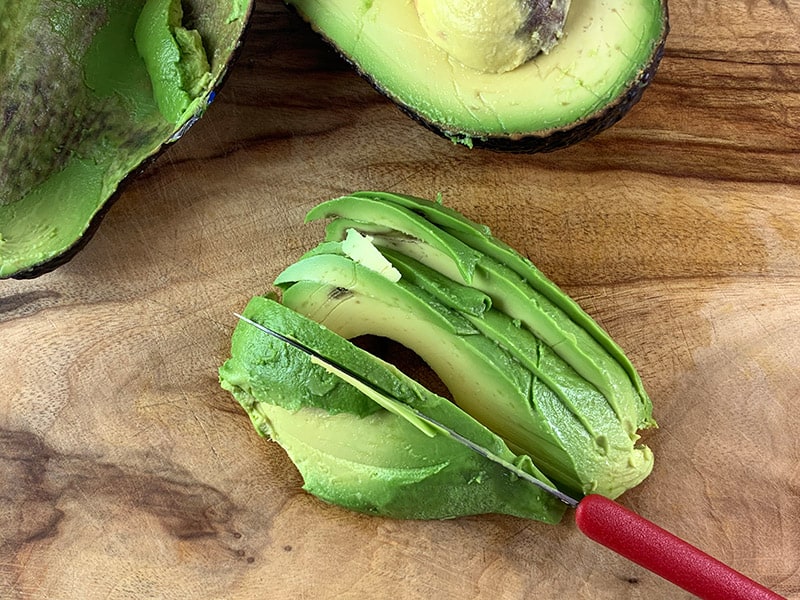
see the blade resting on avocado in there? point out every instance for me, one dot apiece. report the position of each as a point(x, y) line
point(353, 452)
point(117, 81)
point(416, 272)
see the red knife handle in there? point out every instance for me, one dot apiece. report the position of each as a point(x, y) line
point(663, 553)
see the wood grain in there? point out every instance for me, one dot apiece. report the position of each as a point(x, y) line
point(127, 472)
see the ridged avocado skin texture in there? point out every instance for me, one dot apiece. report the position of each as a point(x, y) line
point(100, 128)
point(539, 140)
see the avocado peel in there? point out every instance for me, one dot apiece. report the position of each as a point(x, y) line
point(84, 117)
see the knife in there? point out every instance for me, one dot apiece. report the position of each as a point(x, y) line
point(603, 520)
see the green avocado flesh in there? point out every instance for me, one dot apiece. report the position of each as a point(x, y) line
point(520, 359)
point(91, 89)
point(355, 453)
point(605, 56)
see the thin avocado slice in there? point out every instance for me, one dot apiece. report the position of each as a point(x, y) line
point(379, 461)
point(397, 218)
point(604, 57)
point(573, 408)
point(120, 79)
point(480, 238)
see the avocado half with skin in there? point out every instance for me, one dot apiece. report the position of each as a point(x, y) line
point(91, 92)
point(603, 57)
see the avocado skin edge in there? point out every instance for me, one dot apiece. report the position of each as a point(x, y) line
point(66, 255)
point(542, 141)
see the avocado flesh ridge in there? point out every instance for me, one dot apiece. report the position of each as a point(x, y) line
point(572, 407)
point(376, 462)
point(79, 118)
point(483, 378)
point(605, 47)
point(175, 58)
point(508, 290)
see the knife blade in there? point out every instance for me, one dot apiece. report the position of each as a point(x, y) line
point(599, 518)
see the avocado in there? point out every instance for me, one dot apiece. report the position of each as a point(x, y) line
point(587, 349)
point(358, 454)
point(513, 75)
point(118, 81)
point(495, 369)
point(517, 355)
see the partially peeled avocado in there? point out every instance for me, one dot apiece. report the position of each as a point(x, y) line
point(511, 75)
point(92, 89)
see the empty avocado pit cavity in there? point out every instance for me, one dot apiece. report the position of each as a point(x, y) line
point(119, 79)
point(493, 36)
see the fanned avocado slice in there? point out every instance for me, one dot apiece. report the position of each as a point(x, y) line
point(438, 62)
point(91, 90)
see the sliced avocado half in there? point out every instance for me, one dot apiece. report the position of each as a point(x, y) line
point(517, 356)
point(92, 89)
point(604, 56)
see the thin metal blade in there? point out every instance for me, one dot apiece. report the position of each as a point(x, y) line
point(485, 452)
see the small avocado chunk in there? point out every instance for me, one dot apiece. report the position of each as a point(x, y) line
point(353, 452)
point(493, 36)
point(118, 81)
point(466, 69)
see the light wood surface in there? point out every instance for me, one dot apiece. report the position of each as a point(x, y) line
point(126, 471)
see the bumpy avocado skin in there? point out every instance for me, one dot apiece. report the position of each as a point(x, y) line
point(516, 139)
point(81, 117)
point(353, 453)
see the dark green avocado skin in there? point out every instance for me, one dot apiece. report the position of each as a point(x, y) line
point(224, 35)
point(542, 141)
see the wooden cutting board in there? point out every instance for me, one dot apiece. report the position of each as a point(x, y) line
point(127, 472)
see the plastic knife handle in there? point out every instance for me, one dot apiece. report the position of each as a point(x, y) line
point(663, 553)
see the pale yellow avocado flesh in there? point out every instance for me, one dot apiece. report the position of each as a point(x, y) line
point(606, 45)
